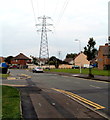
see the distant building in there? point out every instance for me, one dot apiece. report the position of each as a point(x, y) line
point(104, 57)
point(21, 60)
point(69, 61)
point(42, 61)
point(81, 60)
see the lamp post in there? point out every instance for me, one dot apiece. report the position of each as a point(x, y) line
point(80, 52)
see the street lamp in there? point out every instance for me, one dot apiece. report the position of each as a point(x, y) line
point(79, 44)
point(80, 52)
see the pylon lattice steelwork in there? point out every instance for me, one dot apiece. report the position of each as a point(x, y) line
point(44, 51)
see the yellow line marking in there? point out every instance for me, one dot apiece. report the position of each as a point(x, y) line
point(11, 78)
point(26, 75)
point(95, 105)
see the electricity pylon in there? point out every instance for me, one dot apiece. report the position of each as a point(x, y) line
point(44, 51)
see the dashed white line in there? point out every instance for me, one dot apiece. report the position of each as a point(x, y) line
point(40, 104)
point(95, 86)
point(53, 104)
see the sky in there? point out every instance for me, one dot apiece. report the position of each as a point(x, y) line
point(71, 19)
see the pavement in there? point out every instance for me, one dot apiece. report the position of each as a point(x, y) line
point(96, 77)
point(39, 103)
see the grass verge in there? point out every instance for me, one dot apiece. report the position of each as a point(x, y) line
point(10, 103)
point(84, 71)
point(4, 75)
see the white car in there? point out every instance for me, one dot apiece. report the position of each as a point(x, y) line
point(37, 69)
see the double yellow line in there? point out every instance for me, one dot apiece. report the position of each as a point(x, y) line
point(77, 97)
point(27, 76)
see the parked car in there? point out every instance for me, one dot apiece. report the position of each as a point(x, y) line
point(48, 68)
point(90, 66)
point(14, 66)
point(75, 67)
point(37, 69)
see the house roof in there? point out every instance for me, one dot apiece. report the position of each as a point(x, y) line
point(79, 55)
point(21, 56)
point(68, 59)
point(2, 59)
point(105, 50)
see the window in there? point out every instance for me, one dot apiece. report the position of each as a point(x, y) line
point(108, 56)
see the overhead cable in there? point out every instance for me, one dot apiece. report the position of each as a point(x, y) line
point(37, 7)
point(62, 11)
point(33, 12)
point(44, 7)
point(54, 13)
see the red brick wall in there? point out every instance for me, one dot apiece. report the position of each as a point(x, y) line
point(102, 60)
point(106, 60)
point(21, 62)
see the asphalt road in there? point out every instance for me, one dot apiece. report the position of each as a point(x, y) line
point(92, 91)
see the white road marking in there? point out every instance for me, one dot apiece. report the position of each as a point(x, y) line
point(53, 104)
point(90, 80)
point(95, 86)
point(50, 74)
point(40, 104)
point(75, 75)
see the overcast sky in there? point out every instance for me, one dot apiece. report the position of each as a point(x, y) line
point(71, 19)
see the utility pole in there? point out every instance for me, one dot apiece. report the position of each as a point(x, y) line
point(79, 51)
point(44, 51)
point(59, 54)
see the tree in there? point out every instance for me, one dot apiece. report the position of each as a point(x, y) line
point(91, 52)
point(55, 61)
point(8, 59)
point(34, 60)
point(72, 55)
point(53, 58)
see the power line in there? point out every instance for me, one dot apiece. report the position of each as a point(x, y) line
point(54, 13)
point(60, 15)
point(33, 12)
point(44, 7)
point(62, 11)
point(37, 6)
point(59, 54)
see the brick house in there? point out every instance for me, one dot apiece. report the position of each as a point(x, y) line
point(21, 60)
point(81, 60)
point(104, 57)
point(2, 59)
